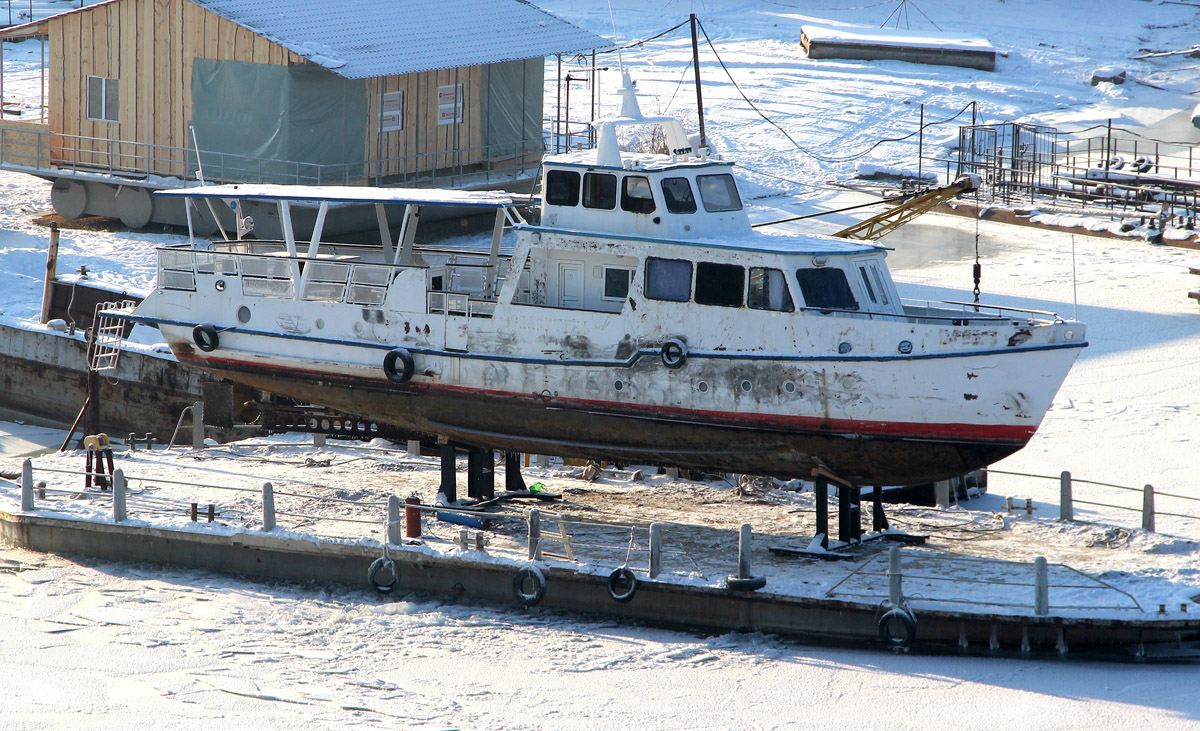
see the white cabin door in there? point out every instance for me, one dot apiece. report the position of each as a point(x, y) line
point(570, 284)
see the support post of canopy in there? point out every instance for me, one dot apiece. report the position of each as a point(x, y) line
point(494, 258)
point(285, 221)
point(385, 232)
point(314, 244)
point(408, 234)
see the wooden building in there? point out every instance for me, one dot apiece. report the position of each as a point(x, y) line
point(376, 92)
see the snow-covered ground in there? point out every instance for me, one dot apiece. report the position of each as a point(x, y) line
point(97, 644)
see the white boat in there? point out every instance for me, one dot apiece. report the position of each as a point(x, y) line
point(640, 320)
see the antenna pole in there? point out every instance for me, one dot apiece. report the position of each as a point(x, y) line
point(699, 95)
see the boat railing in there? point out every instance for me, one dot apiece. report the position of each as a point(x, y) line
point(963, 313)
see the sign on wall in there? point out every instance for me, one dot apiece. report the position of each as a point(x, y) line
point(450, 104)
point(391, 111)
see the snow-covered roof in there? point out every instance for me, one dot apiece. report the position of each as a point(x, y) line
point(895, 37)
point(360, 39)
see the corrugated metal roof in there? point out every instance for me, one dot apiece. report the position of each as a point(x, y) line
point(361, 39)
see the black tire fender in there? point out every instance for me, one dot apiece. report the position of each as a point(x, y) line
point(674, 353)
point(622, 585)
point(398, 365)
point(908, 628)
point(529, 598)
point(748, 583)
point(387, 567)
point(206, 338)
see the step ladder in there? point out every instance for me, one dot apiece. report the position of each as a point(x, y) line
point(108, 332)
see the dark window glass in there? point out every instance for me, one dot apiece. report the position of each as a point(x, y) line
point(616, 283)
point(677, 193)
point(867, 281)
point(562, 188)
point(768, 291)
point(668, 279)
point(720, 284)
point(719, 193)
point(826, 289)
point(636, 195)
point(112, 99)
point(600, 191)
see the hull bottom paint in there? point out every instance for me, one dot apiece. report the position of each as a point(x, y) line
point(537, 426)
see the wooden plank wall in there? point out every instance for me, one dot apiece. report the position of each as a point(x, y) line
point(149, 46)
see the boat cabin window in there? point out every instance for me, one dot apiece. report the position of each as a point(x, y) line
point(826, 289)
point(636, 195)
point(562, 188)
point(600, 191)
point(616, 283)
point(677, 193)
point(768, 291)
point(719, 193)
point(668, 279)
point(720, 284)
point(876, 291)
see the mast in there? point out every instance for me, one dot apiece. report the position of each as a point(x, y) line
point(699, 95)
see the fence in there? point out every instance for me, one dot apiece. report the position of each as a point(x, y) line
point(1148, 509)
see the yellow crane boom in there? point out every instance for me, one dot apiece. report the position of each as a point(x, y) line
point(884, 223)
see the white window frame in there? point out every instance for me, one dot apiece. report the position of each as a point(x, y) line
point(105, 82)
point(604, 280)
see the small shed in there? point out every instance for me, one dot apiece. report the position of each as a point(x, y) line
point(873, 44)
point(362, 92)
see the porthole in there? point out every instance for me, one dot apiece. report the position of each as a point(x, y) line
point(324, 424)
point(702, 387)
point(320, 324)
point(905, 347)
point(243, 314)
point(312, 424)
point(747, 386)
point(789, 387)
point(1069, 335)
point(618, 385)
point(844, 348)
point(220, 285)
point(374, 428)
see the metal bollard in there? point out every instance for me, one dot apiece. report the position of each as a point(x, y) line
point(534, 517)
point(1148, 508)
point(895, 577)
point(268, 507)
point(393, 519)
point(1041, 586)
point(1066, 507)
point(655, 549)
point(412, 517)
point(41, 490)
point(118, 495)
point(745, 543)
point(198, 425)
point(26, 486)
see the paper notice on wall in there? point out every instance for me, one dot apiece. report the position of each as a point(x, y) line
point(391, 112)
point(450, 104)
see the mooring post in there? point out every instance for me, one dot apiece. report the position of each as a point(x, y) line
point(534, 517)
point(1066, 507)
point(1041, 586)
point(655, 549)
point(412, 517)
point(118, 495)
point(449, 486)
point(26, 486)
point(51, 274)
point(1148, 508)
point(821, 493)
point(895, 577)
point(745, 545)
point(268, 507)
point(393, 520)
point(198, 425)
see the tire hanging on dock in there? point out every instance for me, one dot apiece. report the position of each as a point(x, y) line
point(387, 567)
point(206, 338)
point(398, 365)
point(908, 628)
point(622, 585)
point(529, 598)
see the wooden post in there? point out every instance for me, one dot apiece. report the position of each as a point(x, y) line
point(1066, 507)
point(51, 273)
point(26, 486)
point(1148, 508)
point(1041, 586)
point(655, 549)
point(534, 517)
point(268, 507)
point(198, 425)
point(118, 495)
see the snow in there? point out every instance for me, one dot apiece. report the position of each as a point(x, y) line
point(97, 644)
point(893, 37)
